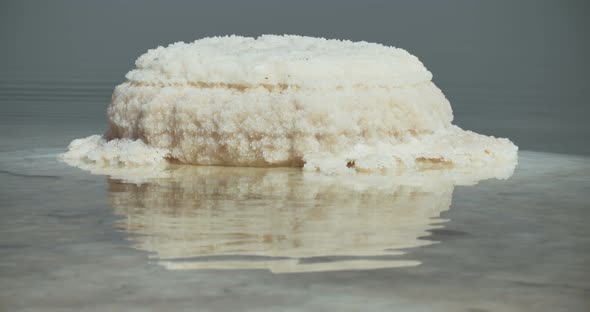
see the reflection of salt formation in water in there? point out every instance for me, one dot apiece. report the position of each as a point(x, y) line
point(281, 219)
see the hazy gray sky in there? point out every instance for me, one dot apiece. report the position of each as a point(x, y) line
point(519, 40)
point(528, 50)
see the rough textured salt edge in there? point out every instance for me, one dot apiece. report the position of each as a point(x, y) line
point(468, 155)
point(416, 177)
point(370, 121)
point(452, 147)
point(96, 150)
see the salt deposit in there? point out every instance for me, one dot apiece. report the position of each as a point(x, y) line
point(327, 105)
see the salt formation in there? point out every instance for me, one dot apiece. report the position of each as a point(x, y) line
point(328, 105)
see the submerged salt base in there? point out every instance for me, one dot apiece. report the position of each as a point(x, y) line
point(328, 105)
point(96, 150)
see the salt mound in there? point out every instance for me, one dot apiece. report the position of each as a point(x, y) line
point(328, 105)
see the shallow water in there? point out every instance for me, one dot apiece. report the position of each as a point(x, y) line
point(273, 239)
point(276, 239)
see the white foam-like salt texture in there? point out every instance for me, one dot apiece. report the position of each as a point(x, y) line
point(327, 105)
point(95, 149)
point(294, 60)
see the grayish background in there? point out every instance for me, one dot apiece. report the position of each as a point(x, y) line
point(510, 68)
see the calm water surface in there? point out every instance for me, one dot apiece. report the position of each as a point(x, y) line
point(227, 239)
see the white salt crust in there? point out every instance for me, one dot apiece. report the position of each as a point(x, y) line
point(327, 105)
point(294, 60)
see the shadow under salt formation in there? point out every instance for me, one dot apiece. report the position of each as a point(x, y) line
point(283, 220)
